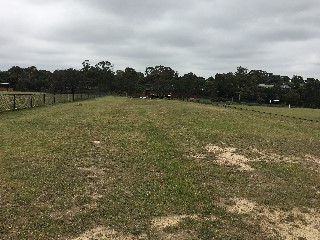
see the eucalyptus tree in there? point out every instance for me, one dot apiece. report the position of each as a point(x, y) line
point(161, 79)
point(129, 82)
point(98, 77)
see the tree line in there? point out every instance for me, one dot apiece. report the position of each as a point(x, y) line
point(160, 81)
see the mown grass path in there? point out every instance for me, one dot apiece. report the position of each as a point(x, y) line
point(156, 169)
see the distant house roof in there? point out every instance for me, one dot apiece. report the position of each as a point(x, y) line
point(262, 85)
point(285, 86)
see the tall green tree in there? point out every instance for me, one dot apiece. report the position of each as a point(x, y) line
point(311, 93)
point(129, 82)
point(161, 79)
point(97, 78)
point(105, 76)
point(255, 93)
point(227, 86)
point(66, 81)
point(189, 85)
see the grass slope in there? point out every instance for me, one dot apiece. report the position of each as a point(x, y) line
point(150, 169)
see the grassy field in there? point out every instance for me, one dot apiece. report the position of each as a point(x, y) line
point(121, 168)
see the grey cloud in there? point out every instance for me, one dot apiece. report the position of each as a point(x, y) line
point(202, 36)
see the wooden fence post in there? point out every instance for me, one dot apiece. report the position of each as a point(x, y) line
point(14, 102)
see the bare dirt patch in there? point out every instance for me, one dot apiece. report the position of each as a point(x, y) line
point(228, 156)
point(295, 224)
point(199, 156)
point(179, 236)
point(308, 160)
point(102, 233)
point(263, 156)
point(169, 221)
point(160, 224)
point(313, 159)
point(242, 206)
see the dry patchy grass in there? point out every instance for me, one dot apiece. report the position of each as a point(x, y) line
point(119, 168)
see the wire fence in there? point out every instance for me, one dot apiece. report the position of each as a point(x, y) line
point(11, 102)
point(244, 108)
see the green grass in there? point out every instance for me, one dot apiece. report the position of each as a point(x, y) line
point(56, 183)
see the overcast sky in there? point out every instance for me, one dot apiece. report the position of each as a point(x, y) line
point(200, 36)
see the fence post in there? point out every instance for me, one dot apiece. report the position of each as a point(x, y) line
point(54, 98)
point(31, 101)
point(14, 102)
point(44, 99)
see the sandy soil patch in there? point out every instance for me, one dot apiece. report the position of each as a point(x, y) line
point(312, 162)
point(313, 159)
point(263, 156)
point(228, 156)
point(199, 156)
point(290, 225)
point(102, 233)
point(160, 224)
point(179, 236)
point(242, 206)
point(169, 221)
